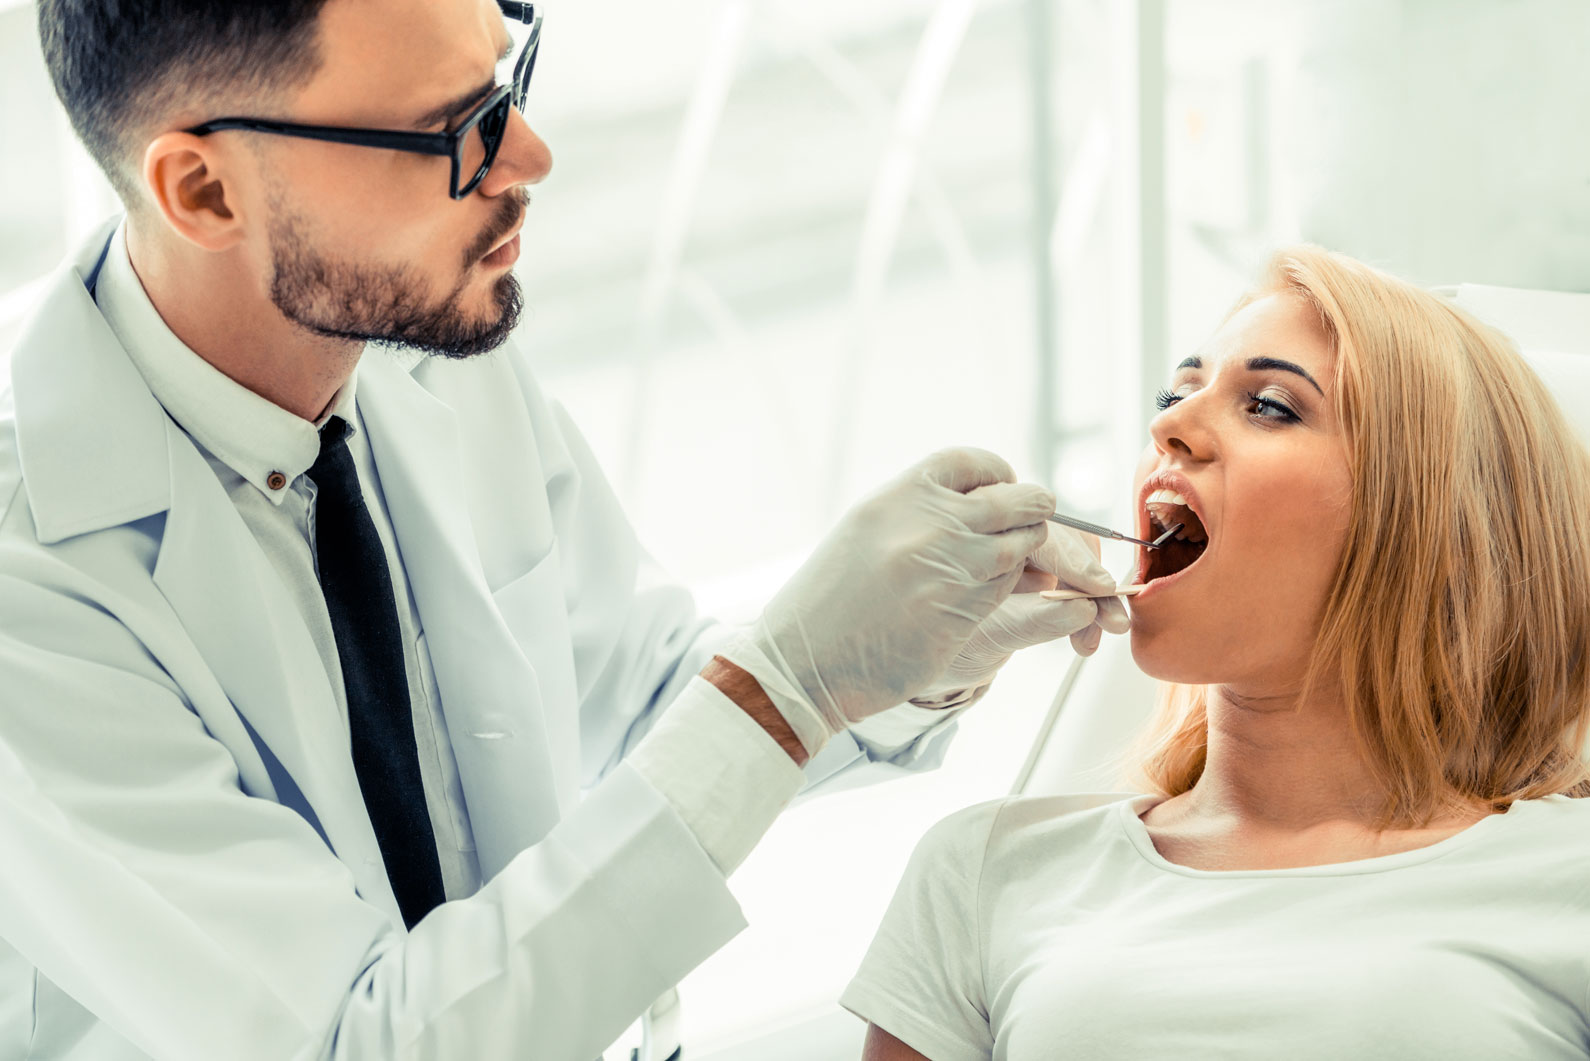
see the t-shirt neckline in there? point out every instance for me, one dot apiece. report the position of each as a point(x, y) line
point(1127, 812)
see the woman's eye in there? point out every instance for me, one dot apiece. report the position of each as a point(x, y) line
point(1260, 406)
point(1270, 409)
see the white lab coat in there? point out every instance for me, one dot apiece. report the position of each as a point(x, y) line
point(189, 871)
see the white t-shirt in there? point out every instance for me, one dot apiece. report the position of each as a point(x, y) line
point(1052, 928)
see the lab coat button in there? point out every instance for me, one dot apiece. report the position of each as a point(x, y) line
point(276, 480)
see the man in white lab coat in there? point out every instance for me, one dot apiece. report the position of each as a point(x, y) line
point(332, 683)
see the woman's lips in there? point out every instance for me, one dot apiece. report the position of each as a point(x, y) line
point(1178, 484)
point(1159, 585)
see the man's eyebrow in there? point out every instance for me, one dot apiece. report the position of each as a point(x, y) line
point(1260, 364)
point(457, 106)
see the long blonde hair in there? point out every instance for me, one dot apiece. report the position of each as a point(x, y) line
point(1458, 624)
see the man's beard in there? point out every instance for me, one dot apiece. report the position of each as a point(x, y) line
point(385, 305)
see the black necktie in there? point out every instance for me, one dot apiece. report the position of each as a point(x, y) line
point(358, 591)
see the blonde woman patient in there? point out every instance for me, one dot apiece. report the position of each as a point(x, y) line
point(1362, 834)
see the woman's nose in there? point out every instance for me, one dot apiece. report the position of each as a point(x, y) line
point(1183, 428)
point(523, 158)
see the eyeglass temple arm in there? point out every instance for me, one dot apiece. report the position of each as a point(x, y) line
point(525, 13)
point(424, 143)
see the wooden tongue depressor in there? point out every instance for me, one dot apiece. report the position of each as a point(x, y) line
point(1078, 594)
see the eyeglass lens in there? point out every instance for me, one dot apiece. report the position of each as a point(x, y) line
point(480, 144)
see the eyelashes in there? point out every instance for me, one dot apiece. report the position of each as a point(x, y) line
point(1164, 399)
point(1284, 414)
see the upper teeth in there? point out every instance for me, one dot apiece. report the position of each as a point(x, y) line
point(1192, 528)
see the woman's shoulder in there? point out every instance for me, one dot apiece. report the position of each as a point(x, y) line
point(1014, 825)
point(1556, 824)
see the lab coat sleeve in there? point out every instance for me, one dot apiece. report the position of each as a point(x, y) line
point(636, 634)
point(202, 922)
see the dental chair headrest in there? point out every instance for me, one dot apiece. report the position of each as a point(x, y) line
point(1552, 330)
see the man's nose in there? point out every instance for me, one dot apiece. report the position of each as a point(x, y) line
point(523, 158)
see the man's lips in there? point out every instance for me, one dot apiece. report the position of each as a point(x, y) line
point(503, 235)
point(507, 239)
point(505, 253)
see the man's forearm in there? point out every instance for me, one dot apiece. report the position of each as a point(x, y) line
point(737, 684)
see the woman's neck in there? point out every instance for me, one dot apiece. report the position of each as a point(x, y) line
point(1283, 786)
point(1277, 762)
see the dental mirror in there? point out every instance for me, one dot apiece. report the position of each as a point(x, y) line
point(1093, 528)
point(1105, 532)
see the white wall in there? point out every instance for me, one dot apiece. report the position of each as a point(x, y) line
point(1445, 139)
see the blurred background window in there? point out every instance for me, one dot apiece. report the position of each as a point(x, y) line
point(788, 248)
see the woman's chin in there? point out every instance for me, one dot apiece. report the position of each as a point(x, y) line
point(1171, 655)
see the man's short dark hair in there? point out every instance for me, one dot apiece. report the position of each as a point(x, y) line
point(120, 66)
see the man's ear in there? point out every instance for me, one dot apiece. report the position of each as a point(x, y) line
point(193, 182)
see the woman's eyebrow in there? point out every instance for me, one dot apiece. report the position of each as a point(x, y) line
point(1259, 364)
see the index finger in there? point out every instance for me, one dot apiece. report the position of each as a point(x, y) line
point(991, 509)
point(966, 468)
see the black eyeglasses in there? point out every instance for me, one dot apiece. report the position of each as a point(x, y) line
point(472, 146)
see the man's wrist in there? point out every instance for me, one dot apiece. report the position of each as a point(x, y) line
point(738, 685)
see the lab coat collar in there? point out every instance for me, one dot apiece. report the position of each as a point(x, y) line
point(250, 434)
point(93, 453)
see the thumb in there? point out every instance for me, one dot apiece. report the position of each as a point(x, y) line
point(1067, 555)
point(1026, 619)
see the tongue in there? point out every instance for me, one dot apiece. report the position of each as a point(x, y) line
point(1171, 558)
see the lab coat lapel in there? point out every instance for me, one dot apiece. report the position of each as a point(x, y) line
point(99, 451)
point(489, 690)
point(231, 602)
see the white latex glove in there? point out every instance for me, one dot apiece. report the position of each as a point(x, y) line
point(1068, 559)
point(891, 596)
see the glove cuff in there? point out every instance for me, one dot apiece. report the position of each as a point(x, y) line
point(944, 701)
point(751, 654)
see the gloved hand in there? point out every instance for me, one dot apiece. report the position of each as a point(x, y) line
point(896, 590)
point(1067, 559)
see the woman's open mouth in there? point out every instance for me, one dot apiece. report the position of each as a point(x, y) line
point(1165, 508)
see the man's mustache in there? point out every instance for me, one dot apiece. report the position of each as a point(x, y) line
point(512, 212)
